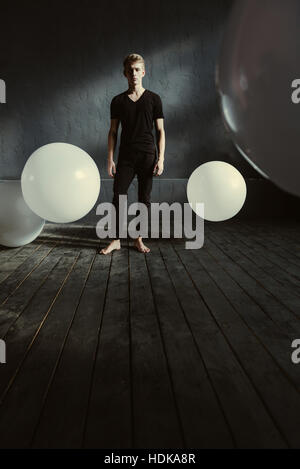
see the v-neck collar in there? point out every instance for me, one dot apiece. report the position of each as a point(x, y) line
point(134, 102)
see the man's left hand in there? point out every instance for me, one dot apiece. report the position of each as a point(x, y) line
point(158, 168)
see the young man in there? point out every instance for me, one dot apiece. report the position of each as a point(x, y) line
point(136, 109)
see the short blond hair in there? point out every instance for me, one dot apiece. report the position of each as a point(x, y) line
point(131, 58)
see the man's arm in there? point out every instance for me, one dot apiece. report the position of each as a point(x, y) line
point(112, 141)
point(161, 144)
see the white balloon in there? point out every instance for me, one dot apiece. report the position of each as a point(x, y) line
point(60, 182)
point(220, 187)
point(18, 224)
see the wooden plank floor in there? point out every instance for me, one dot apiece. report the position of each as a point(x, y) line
point(174, 349)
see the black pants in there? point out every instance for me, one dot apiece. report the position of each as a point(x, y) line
point(131, 163)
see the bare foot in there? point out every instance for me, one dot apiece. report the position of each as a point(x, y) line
point(114, 245)
point(138, 243)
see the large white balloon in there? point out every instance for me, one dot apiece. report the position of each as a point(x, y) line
point(60, 182)
point(258, 80)
point(18, 224)
point(220, 187)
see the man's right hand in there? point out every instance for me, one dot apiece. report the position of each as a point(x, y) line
point(111, 168)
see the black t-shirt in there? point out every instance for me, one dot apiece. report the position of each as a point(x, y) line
point(137, 119)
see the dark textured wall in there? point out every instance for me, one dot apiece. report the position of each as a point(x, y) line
point(62, 63)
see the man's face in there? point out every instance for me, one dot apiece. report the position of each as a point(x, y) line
point(134, 73)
